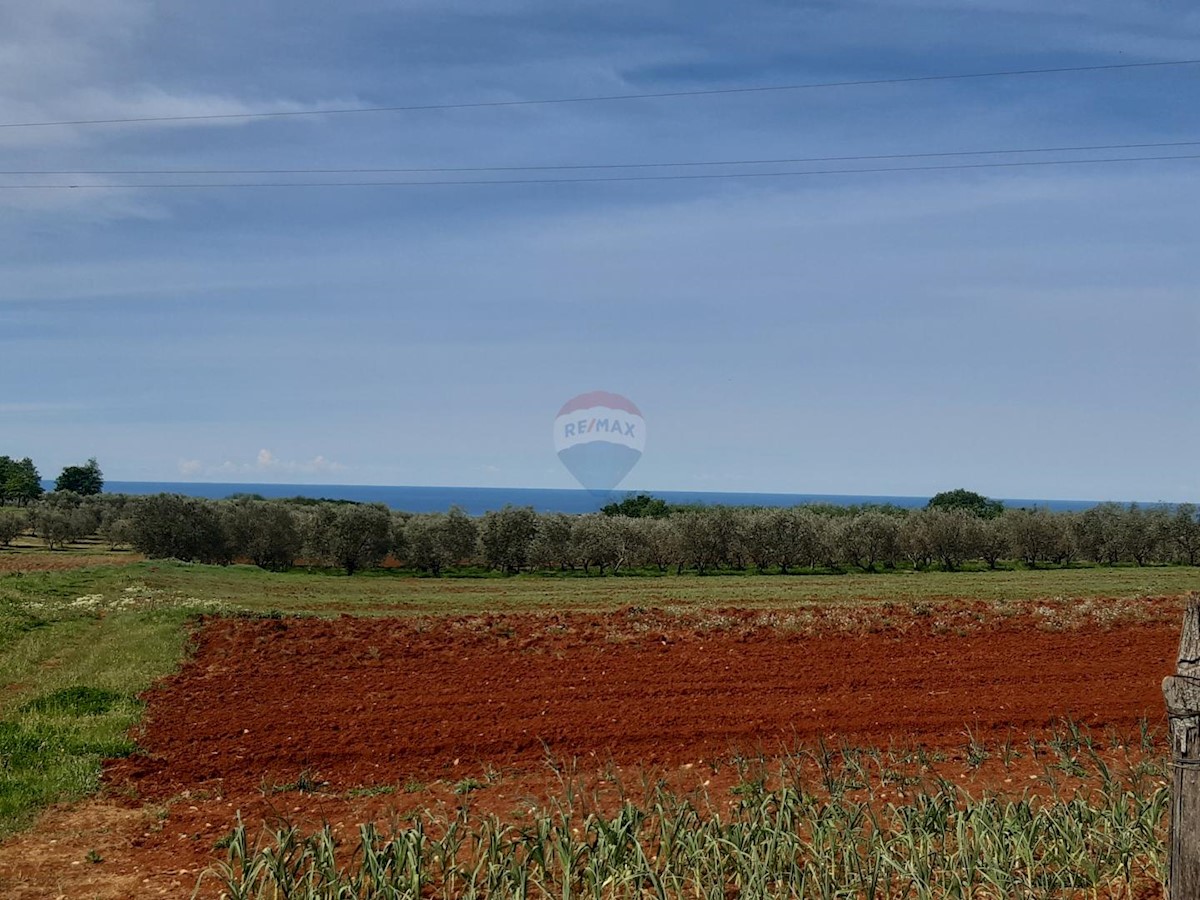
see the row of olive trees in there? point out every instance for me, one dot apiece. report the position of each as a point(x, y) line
point(277, 534)
point(785, 539)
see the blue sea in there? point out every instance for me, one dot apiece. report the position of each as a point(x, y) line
point(478, 500)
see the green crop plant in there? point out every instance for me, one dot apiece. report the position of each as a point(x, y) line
point(785, 842)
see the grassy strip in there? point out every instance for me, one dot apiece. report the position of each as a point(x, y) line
point(70, 700)
point(171, 585)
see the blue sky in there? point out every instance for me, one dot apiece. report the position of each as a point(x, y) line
point(1024, 332)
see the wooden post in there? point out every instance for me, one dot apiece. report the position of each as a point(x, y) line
point(1182, 694)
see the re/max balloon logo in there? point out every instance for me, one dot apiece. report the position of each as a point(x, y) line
point(585, 427)
point(599, 436)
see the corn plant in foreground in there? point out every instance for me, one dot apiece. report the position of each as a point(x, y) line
point(780, 843)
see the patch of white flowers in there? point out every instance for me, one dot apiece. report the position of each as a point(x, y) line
point(136, 596)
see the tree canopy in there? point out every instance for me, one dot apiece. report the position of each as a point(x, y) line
point(20, 482)
point(641, 506)
point(970, 501)
point(86, 480)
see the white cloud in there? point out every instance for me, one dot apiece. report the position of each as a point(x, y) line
point(265, 464)
point(68, 60)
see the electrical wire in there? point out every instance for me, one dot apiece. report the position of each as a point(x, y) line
point(596, 180)
point(605, 98)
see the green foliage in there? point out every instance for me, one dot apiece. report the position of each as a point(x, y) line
point(506, 537)
point(353, 537)
point(970, 501)
point(12, 523)
point(20, 482)
point(171, 526)
point(771, 843)
point(640, 506)
point(434, 541)
point(265, 533)
point(86, 480)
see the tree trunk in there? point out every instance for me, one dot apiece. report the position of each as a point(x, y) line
point(1182, 695)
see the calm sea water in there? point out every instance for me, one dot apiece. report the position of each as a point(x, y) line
point(478, 500)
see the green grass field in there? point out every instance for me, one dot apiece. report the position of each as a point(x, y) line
point(78, 645)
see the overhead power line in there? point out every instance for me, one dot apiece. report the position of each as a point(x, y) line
point(605, 98)
point(579, 166)
point(593, 180)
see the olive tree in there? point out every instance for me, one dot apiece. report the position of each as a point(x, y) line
point(165, 526)
point(760, 538)
point(353, 536)
point(993, 542)
point(506, 536)
point(798, 537)
point(52, 525)
point(699, 545)
point(1143, 532)
point(1033, 534)
point(264, 532)
point(916, 540)
point(1098, 533)
point(597, 540)
point(657, 541)
point(1183, 532)
point(954, 535)
point(869, 538)
point(551, 544)
point(434, 541)
point(12, 524)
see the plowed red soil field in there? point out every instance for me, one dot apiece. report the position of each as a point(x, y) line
point(295, 720)
point(372, 701)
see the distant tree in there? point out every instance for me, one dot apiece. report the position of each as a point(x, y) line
point(171, 526)
point(1098, 533)
point(85, 519)
point(993, 542)
point(506, 536)
point(872, 537)
point(424, 546)
point(6, 467)
point(657, 541)
point(1033, 535)
point(597, 540)
point(52, 525)
point(551, 545)
point(1183, 531)
point(265, 532)
point(399, 545)
point(636, 507)
point(86, 480)
point(954, 535)
point(701, 543)
point(12, 524)
point(21, 482)
point(916, 539)
point(116, 531)
point(970, 501)
point(461, 536)
point(1144, 531)
point(354, 537)
point(798, 538)
point(435, 541)
point(760, 538)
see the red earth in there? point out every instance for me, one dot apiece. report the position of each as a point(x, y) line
point(417, 705)
point(358, 702)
